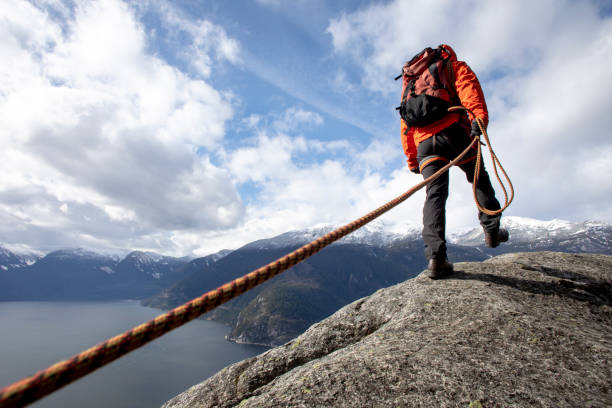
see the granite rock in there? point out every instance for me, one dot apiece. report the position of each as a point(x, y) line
point(518, 330)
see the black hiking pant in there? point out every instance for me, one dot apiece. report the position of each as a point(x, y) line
point(433, 154)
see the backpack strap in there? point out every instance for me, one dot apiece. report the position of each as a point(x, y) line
point(450, 75)
point(433, 70)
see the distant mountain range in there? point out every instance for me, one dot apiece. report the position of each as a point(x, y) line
point(557, 235)
point(357, 265)
point(361, 263)
point(80, 274)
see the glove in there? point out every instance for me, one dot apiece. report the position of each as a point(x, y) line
point(415, 170)
point(475, 131)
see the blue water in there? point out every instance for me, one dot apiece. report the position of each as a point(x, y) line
point(35, 335)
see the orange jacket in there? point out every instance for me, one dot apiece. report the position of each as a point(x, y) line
point(471, 96)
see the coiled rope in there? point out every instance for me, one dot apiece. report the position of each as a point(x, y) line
point(495, 162)
point(46, 381)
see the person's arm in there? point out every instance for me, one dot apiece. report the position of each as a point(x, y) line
point(469, 91)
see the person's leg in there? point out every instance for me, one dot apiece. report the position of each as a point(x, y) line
point(434, 212)
point(450, 143)
point(485, 194)
point(454, 140)
point(434, 209)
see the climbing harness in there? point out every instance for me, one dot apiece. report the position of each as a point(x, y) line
point(46, 381)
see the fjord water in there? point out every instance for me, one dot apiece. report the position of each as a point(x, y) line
point(34, 335)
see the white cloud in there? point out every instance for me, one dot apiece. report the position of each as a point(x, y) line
point(271, 158)
point(342, 84)
point(321, 193)
point(544, 68)
point(100, 138)
point(377, 155)
point(337, 186)
point(106, 143)
point(491, 35)
point(296, 118)
point(291, 4)
point(203, 41)
point(273, 3)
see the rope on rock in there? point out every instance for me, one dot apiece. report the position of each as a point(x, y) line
point(46, 381)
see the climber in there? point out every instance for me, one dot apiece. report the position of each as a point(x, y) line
point(431, 136)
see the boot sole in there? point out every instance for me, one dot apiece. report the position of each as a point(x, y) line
point(440, 274)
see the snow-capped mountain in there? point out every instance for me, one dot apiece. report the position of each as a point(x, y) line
point(78, 273)
point(526, 234)
point(380, 254)
point(81, 254)
point(377, 233)
point(84, 274)
point(156, 266)
point(557, 235)
point(216, 256)
point(10, 260)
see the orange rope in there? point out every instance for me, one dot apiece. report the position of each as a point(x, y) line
point(46, 381)
point(496, 163)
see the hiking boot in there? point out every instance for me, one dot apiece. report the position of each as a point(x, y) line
point(493, 239)
point(439, 268)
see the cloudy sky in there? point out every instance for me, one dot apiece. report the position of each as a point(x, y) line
point(185, 127)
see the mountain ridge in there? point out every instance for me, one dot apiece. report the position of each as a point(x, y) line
point(83, 274)
point(524, 232)
point(376, 233)
point(268, 314)
point(367, 260)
